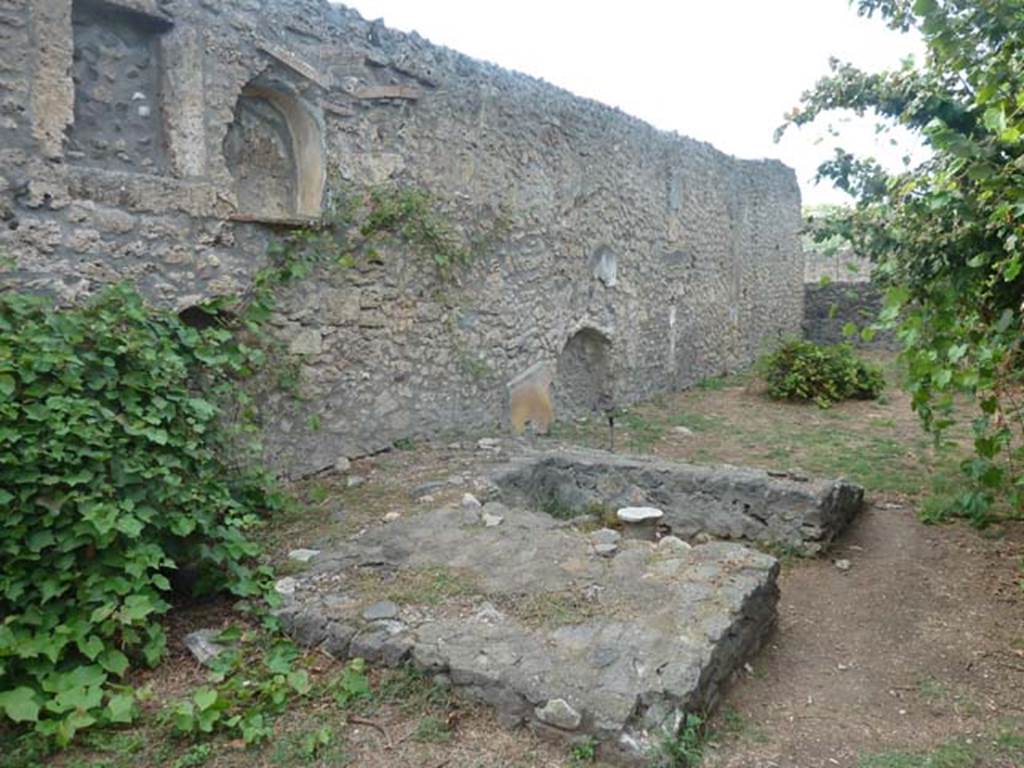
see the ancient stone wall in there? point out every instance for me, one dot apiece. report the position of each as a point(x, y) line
point(167, 142)
point(843, 266)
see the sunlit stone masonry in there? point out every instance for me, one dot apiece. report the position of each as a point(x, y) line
point(167, 142)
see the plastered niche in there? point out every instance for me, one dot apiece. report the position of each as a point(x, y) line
point(530, 406)
point(116, 69)
point(274, 151)
point(584, 382)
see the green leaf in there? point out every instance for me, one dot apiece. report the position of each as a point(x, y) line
point(995, 119)
point(102, 613)
point(39, 540)
point(114, 466)
point(957, 352)
point(113, 661)
point(204, 698)
point(121, 708)
point(136, 608)
point(130, 525)
point(83, 699)
point(20, 705)
point(299, 681)
point(229, 636)
point(91, 647)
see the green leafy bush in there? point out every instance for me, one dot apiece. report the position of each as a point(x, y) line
point(247, 688)
point(945, 234)
point(114, 472)
point(803, 370)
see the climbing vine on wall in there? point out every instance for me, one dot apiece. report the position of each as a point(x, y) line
point(358, 223)
point(115, 473)
point(123, 460)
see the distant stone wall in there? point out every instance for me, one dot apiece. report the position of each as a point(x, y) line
point(169, 142)
point(829, 308)
point(842, 267)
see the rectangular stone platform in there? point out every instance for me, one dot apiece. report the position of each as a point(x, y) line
point(524, 612)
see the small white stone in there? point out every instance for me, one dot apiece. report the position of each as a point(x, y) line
point(629, 745)
point(843, 565)
point(673, 544)
point(492, 521)
point(355, 481)
point(488, 444)
point(286, 586)
point(144, 111)
point(303, 555)
point(203, 646)
point(606, 550)
point(342, 464)
point(683, 431)
point(138, 96)
point(639, 514)
point(385, 610)
point(559, 713)
point(605, 536)
point(488, 614)
point(470, 502)
point(391, 517)
point(306, 341)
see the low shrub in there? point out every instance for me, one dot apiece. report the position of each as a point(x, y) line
point(248, 686)
point(114, 472)
point(803, 371)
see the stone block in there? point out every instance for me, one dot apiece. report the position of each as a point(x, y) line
point(724, 502)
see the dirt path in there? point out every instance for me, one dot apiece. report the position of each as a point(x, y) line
point(918, 643)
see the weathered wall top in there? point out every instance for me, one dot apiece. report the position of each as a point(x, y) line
point(843, 266)
point(168, 141)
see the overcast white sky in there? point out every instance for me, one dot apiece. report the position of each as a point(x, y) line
point(723, 71)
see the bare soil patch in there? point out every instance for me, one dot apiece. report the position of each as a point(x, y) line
point(914, 648)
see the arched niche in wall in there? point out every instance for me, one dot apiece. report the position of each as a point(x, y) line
point(583, 381)
point(274, 149)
